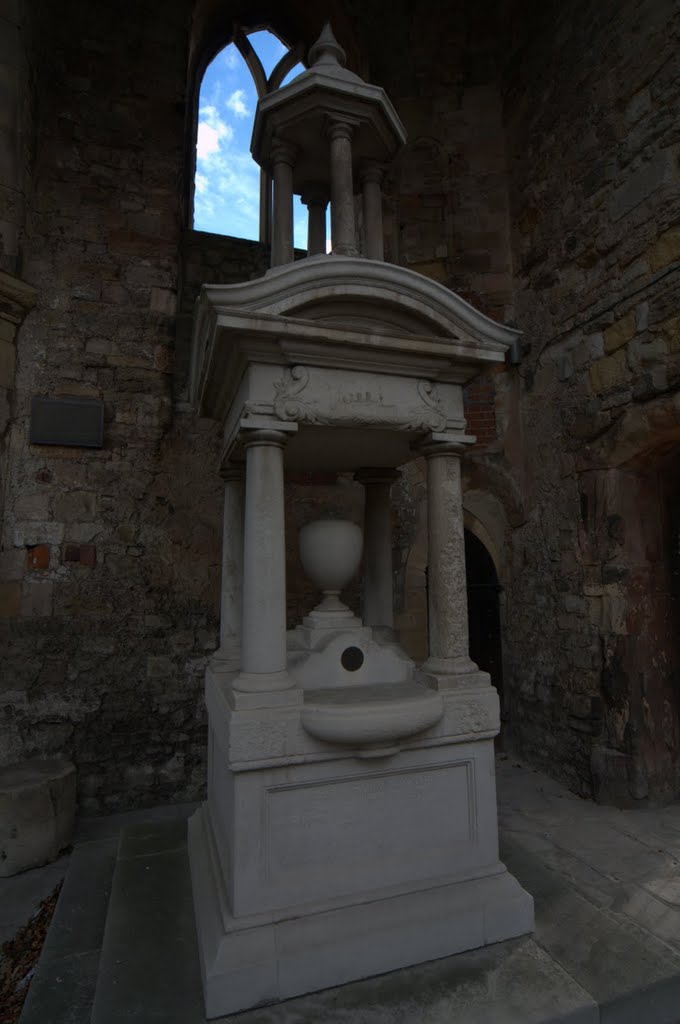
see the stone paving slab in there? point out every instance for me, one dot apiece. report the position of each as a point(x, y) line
point(64, 984)
point(627, 861)
point(631, 975)
point(63, 988)
point(149, 968)
point(607, 931)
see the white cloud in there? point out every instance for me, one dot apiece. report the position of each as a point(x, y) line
point(201, 183)
point(231, 57)
point(212, 132)
point(231, 202)
point(236, 103)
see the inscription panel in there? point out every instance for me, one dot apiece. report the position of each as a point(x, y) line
point(370, 832)
point(322, 397)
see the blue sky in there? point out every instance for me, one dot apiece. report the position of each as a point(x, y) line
point(227, 192)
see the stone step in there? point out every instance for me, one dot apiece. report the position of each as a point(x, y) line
point(584, 965)
point(149, 967)
point(65, 979)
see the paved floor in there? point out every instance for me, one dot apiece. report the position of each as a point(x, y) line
point(606, 948)
point(20, 895)
point(627, 862)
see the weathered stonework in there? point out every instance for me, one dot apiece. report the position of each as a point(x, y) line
point(542, 184)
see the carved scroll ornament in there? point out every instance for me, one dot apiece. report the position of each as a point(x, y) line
point(363, 405)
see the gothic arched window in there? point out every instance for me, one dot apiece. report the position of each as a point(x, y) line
point(232, 196)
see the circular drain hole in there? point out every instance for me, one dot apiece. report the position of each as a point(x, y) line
point(352, 658)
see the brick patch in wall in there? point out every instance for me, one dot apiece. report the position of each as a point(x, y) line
point(38, 557)
point(479, 403)
point(85, 554)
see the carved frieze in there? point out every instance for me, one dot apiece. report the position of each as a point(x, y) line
point(315, 396)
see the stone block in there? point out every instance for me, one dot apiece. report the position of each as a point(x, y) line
point(610, 373)
point(641, 184)
point(29, 534)
point(75, 506)
point(12, 564)
point(32, 506)
point(37, 812)
point(36, 599)
point(10, 599)
point(163, 300)
point(671, 332)
point(620, 332)
point(666, 249)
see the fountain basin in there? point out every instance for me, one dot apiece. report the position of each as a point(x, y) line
point(374, 713)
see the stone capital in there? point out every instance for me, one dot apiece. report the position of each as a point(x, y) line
point(263, 437)
point(371, 172)
point(233, 472)
point(283, 152)
point(431, 449)
point(315, 194)
point(340, 128)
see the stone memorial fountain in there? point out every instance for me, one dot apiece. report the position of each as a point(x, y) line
point(351, 825)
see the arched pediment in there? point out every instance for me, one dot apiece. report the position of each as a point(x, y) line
point(367, 295)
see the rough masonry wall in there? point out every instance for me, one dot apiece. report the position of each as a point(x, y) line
point(110, 557)
point(592, 113)
point(446, 214)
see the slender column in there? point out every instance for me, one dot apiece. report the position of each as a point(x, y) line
point(265, 207)
point(371, 178)
point(263, 636)
point(283, 161)
point(447, 594)
point(377, 582)
point(315, 198)
point(343, 229)
point(227, 657)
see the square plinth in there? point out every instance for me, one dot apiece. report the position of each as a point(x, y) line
point(307, 876)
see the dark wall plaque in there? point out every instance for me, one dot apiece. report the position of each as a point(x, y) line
point(71, 421)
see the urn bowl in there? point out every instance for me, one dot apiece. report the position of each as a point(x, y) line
point(330, 551)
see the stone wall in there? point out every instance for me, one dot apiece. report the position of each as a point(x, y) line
point(110, 557)
point(592, 104)
point(446, 213)
point(541, 182)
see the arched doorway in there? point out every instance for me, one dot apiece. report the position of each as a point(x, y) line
point(484, 620)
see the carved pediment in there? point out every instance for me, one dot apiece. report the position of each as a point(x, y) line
point(358, 293)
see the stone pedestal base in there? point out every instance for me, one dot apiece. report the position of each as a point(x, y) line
point(312, 866)
point(246, 962)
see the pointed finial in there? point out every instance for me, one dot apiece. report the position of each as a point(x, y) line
point(327, 50)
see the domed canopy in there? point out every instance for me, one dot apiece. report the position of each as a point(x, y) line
point(299, 113)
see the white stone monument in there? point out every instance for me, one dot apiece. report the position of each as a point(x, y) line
point(350, 826)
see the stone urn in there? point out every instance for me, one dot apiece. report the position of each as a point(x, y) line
point(330, 552)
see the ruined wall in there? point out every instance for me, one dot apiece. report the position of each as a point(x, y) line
point(559, 124)
point(592, 104)
point(110, 557)
point(446, 212)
